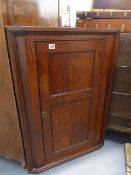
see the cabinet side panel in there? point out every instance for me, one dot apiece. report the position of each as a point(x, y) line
point(10, 136)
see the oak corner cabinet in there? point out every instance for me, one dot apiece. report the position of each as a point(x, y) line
point(62, 81)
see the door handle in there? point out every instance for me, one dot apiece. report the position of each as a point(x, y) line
point(44, 114)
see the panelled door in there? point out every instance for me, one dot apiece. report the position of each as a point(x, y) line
point(69, 80)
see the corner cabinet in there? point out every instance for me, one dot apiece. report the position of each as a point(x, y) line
point(62, 82)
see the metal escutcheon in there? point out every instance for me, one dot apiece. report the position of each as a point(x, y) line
point(44, 114)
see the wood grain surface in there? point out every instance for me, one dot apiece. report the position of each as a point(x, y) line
point(31, 13)
point(63, 93)
point(10, 135)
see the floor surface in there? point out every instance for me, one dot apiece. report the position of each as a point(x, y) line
point(109, 160)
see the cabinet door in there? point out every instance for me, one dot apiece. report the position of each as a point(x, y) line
point(69, 79)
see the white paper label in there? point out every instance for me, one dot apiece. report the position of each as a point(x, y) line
point(51, 46)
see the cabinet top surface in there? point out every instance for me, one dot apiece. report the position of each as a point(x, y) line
point(38, 29)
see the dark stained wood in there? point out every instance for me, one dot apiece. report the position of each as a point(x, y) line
point(75, 106)
point(59, 84)
point(108, 70)
point(31, 94)
point(124, 53)
point(112, 4)
point(38, 30)
point(122, 82)
point(121, 105)
point(78, 80)
point(11, 145)
point(80, 63)
point(120, 113)
point(103, 15)
point(74, 132)
point(119, 124)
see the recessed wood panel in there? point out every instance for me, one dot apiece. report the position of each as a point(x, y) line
point(58, 73)
point(70, 124)
point(71, 71)
point(80, 70)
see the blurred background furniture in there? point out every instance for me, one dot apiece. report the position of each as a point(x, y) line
point(115, 14)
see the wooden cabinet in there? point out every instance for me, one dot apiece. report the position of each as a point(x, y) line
point(62, 79)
